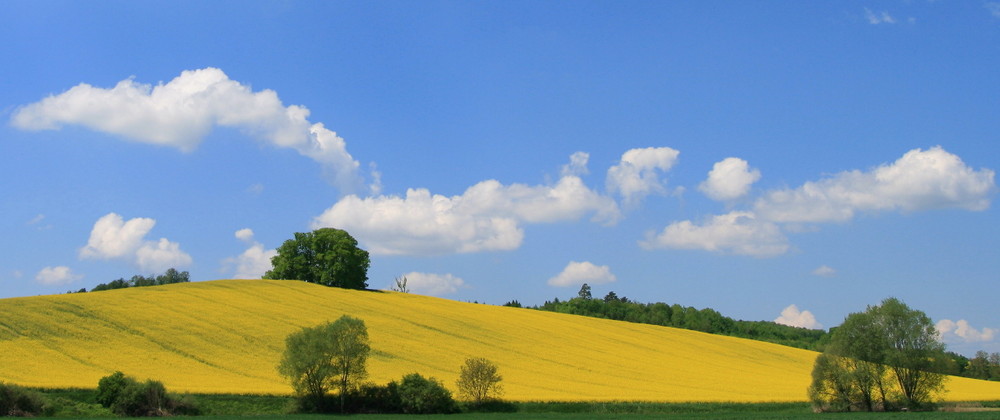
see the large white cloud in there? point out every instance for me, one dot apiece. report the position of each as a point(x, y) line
point(114, 238)
point(794, 317)
point(961, 331)
point(254, 261)
point(433, 284)
point(920, 180)
point(56, 276)
point(735, 233)
point(183, 111)
point(578, 273)
point(488, 216)
point(729, 179)
point(637, 174)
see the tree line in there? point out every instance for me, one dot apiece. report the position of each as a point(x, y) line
point(169, 277)
point(707, 320)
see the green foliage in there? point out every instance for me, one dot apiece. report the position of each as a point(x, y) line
point(126, 396)
point(110, 388)
point(171, 276)
point(419, 395)
point(327, 356)
point(20, 402)
point(479, 381)
point(707, 320)
point(879, 360)
point(325, 256)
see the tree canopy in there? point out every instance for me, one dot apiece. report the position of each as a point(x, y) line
point(332, 355)
point(326, 256)
point(879, 359)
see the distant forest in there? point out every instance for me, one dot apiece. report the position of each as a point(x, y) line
point(983, 366)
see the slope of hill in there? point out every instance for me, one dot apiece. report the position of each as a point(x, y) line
point(227, 336)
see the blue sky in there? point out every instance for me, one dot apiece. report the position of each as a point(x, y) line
point(790, 160)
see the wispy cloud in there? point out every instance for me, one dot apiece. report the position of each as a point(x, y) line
point(993, 7)
point(876, 18)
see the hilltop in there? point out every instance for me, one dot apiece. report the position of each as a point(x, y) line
point(226, 336)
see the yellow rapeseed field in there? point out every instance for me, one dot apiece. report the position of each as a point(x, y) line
point(227, 336)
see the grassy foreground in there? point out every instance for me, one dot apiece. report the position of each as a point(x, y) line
point(227, 336)
point(262, 407)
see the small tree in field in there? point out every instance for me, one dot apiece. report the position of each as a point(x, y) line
point(479, 381)
point(327, 356)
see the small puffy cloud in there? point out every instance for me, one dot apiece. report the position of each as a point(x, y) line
point(114, 238)
point(879, 17)
point(577, 165)
point(578, 273)
point(729, 179)
point(736, 232)
point(637, 175)
point(183, 111)
point(433, 284)
point(824, 271)
point(245, 234)
point(488, 216)
point(792, 316)
point(961, 331)
point(56, 276)
point(254, 261)
point(920, 180)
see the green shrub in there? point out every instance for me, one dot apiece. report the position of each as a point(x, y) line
point(110, 388)
point(20, 402)
point(126, 396)
point(375, 399)
point(419, 395)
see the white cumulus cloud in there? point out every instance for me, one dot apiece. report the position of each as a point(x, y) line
point(792, 316)
point(56, 276)
point(637, 174)
point(736, 232)
point(578, 273)
point(183, 111)
point(824, 271)
point(488, 216)
point(114, 238)
point(920, 180)
point(254, 261)
point(729, 179)
point(961, 331)
point(433, 284)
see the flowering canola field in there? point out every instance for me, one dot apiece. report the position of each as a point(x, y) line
point(227, 336)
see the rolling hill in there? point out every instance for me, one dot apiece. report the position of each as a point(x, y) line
point(226, 336)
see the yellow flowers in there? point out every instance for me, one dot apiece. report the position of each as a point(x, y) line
point(228, 335)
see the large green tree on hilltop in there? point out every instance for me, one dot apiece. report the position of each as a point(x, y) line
point(325, 256)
